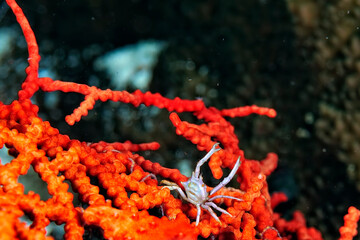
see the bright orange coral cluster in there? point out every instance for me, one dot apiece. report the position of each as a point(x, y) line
point(55, 158)
point(117, 187)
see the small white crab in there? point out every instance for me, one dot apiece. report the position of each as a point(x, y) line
point(195, 188)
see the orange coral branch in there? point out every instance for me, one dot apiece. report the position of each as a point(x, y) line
point(349, 230)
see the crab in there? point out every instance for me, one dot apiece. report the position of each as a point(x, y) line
point(195, 188)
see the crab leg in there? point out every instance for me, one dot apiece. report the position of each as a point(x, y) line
point(174, 186)
point(224, 196)
point(228, 178)
point(213, 150)
point(198, 214)
point(211, 204)
point(208, 208)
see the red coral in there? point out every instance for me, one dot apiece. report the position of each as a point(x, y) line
point(119, 203)
point(349, 230)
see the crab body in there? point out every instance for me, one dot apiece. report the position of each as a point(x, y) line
point(195, 188)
